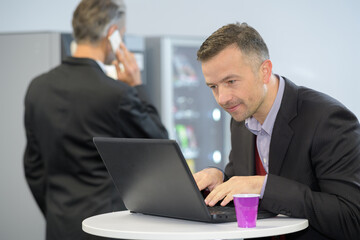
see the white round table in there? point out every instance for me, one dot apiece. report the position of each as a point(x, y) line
point(138, 226)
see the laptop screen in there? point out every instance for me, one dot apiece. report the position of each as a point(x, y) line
point(152, 177)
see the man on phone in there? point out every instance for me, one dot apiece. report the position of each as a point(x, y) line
point(74, 102)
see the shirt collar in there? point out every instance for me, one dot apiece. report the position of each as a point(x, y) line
point(254, 126)
point(101, 65)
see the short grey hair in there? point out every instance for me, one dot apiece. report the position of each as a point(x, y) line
point(92, 19)
point(241, 35)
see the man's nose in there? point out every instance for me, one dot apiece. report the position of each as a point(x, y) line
point(224, 95)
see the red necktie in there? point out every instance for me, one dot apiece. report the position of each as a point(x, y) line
point(260, 170)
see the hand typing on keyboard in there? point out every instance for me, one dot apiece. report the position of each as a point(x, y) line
point(212, 178)
point(208, 178)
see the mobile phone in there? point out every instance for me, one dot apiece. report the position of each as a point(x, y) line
point(115, 40)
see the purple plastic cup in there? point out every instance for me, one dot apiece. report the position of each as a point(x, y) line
point(246, 207)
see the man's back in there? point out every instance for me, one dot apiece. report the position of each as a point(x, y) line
point(65, 109)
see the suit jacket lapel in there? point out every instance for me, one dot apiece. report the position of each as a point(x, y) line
point(242, 152)
point(248, 140)
point(282, 132)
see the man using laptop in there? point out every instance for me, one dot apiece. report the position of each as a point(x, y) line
point(298, 148)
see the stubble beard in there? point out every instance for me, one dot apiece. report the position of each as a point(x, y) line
point(238, 115)
point(241, 116)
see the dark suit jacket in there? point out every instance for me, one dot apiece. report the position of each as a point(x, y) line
point(314, 163)
point(64, 109)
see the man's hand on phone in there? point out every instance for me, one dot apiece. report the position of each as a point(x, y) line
point(126, 67)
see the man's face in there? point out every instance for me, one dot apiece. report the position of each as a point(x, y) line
point(237, 87)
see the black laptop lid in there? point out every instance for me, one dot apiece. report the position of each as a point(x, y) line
point(152, 177)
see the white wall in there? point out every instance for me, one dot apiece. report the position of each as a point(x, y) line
point(314, 43)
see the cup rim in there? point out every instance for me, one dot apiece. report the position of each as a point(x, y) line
point(246, 195)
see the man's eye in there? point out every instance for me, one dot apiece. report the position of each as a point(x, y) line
point(231, 81)
point(212, 87)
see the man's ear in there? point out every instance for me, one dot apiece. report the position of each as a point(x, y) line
point(266, 70)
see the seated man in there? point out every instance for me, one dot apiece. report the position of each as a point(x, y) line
point(298, 148)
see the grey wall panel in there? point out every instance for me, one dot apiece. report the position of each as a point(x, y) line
point(23, 56)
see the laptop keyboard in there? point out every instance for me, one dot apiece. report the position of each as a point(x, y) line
point(221, 210)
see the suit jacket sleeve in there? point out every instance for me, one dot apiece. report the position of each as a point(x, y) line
point(330, 200)
point(139, 118)
point(33, 163)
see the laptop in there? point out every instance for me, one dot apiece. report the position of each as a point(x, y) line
point(153, 178)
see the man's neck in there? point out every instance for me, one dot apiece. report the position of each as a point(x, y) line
point(90, 51)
